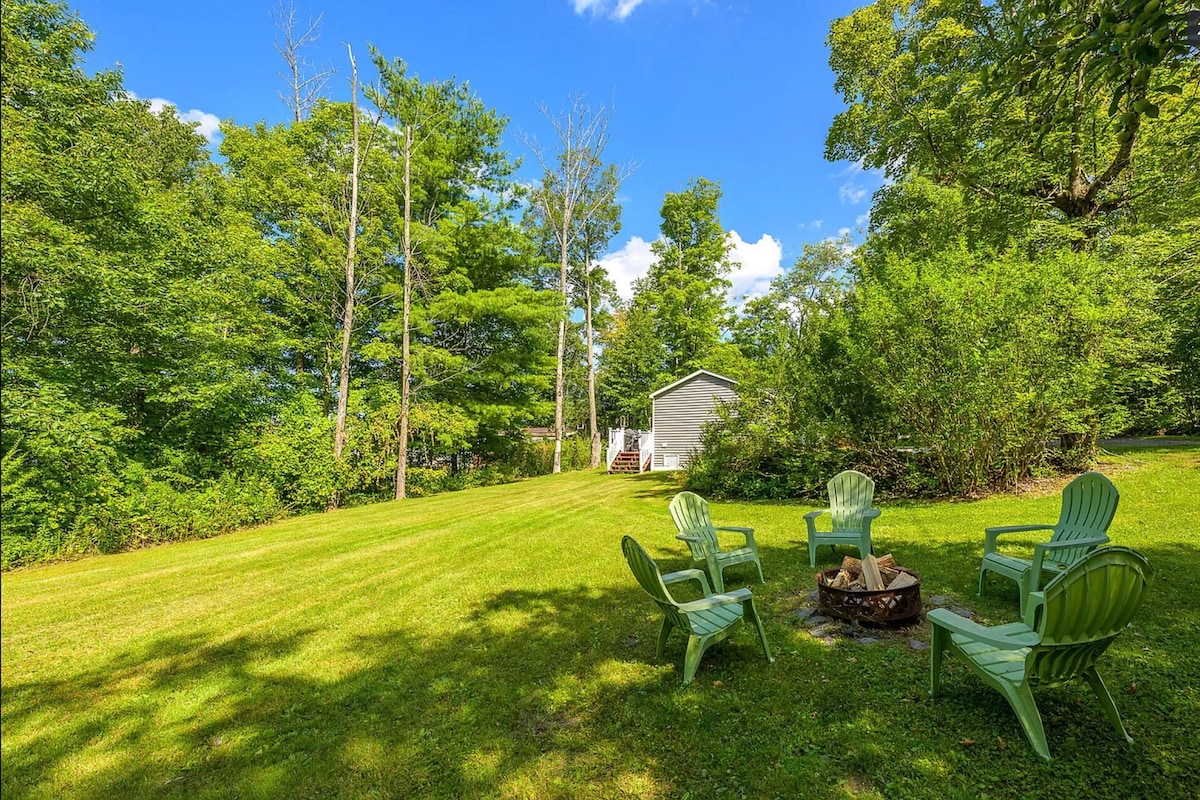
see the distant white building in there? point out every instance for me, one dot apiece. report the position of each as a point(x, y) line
point(680, 411)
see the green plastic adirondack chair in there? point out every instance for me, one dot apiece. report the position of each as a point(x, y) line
point(1067, 626)
point(706, 621)
point(850, 496)
point(1088, 505)
point(690, 512)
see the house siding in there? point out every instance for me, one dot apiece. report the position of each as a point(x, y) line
point(680, 414)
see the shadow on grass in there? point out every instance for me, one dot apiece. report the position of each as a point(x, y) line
point(653, 485)
point(556, 693)
point(539, 689)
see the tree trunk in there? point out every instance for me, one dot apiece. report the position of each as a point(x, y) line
point(405, 342)
point(562, 348)
point(592, 421)
point(1079, 449)
point(327, 378)
point(339, 436)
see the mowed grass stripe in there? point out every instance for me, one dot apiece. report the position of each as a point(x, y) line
point(491, 643)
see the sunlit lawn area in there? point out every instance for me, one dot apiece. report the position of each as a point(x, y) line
point(493, 643)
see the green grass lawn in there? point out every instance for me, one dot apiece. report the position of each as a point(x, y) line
point(492, 643)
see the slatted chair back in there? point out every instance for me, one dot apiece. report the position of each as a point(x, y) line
point(690, 512)
point(1089, 504)
point(1081, 612)
point(648, 575)
point(850, 495)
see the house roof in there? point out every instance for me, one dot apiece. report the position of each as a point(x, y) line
point(688, 378)
point(544, 434)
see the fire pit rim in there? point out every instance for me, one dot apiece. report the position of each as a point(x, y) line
point(857, 605)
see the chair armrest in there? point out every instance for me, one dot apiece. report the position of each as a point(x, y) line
point(810, 519)
point(989, 542)
point(687, 537)
point(1095, 541)
point(871, 513)
point(1035, 604)
point(688, 575)
point(748, 533)
point(715, 600)
point(980, 633)
point(1040, 551)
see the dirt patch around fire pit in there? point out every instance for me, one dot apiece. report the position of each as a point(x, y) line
point(830, 631)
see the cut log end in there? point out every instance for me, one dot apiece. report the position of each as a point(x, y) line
point(871, 576)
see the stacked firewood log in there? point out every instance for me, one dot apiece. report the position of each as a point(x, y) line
point(870, 574)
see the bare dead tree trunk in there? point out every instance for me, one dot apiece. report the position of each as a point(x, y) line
point(327, 377)
point(405, 366)
point(559, 383)
point(593, 423)
point(339, 435)
point(303, 87)
point(565, 203)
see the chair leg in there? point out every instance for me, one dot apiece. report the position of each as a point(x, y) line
point(761, 579)
point(1023, 590)
point(812, 552)
point(715, 575)
point(662, 636)
point(982, 574)
point(750, 613)
point(691, 661)
point(1106, 702)
point(937, 648)
point(1022, 702)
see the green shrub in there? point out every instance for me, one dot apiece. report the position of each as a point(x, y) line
point(154, 512)
point(530, 459)
point(294, 454)
point(30, 522)
point(945, 375)
point(59, 458)
point(747, 453)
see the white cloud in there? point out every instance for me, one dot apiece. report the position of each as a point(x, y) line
point(627, 264)
point(206, 124)
point(862, 220)
point(843, 232)
point(852, 193)
point(815, 224)
point(754, 265)
point(613, 9)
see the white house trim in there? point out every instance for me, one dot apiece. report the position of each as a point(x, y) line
point(688, 378)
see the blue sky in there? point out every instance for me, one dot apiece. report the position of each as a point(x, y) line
point(734, 91)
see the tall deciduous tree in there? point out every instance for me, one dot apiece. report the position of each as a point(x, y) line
point(464, 311)
point(573, 190)
point(593, 289)
point(686, 284)
point(1044, 100)
point(633, 363)
point(1048, 119)
point(130, 316)
point(304, 82)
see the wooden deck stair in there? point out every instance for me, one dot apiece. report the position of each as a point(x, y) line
point(627, 461)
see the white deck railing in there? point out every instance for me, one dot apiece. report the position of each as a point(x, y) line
point(616, 441)
point(645, 449)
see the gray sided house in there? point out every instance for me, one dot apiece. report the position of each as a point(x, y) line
point(680, 413)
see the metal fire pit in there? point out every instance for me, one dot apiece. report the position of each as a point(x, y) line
point(885, 607)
